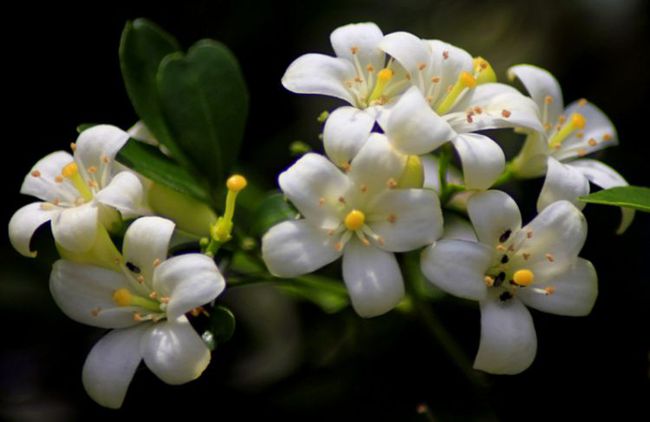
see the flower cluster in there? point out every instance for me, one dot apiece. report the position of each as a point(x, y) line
point(386, 175)
point(141, 294)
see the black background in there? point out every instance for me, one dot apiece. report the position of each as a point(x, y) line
point(60, 68)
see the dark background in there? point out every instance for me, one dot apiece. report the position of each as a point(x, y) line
point(61, 68)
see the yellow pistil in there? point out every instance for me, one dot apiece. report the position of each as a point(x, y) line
point(221, 230)
point(354, 220)
point(465, 81)
point(123, 297)
point(236, 183)
point(383, 77)
point(523, 277)
point(575, 122)
point(483, 72)
point(71, 172)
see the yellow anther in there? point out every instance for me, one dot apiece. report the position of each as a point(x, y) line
point(36, 173)
point(575, 122)
point(582, 102)
point(548, 100)
point(385, 74)
point(122, 297)
point(578, 120)
point(236, 183)
point(383, 78)
point(483, 71)
point(467, 79)
point(523, 277)
point(70, 170)
point(354, 220)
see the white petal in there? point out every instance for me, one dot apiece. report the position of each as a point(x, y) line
point(85, 294)
point(562, 182)
point(482, 159)
point(126, 194)
point(432, 173)
point(25, 222)
point(373, 279)
point(111, 364)
point(558, 231)
point(409, 50)
point(98, 143)
point(44, 185)
point(174, 351)
point(540, 83)
point(599, 133)
point(190, 281)
point(493, 213)
point(406, 219)
point(458, 228)
point(508, 341)
point(458, 267)
point(501, 106)
point(600, 174)
point(294, 248)
point(531, 160)
point(313, 184)
point(364, 38)
point(574, 291)
point(345, 132)
point(320, 74)
point(140, 132)
point(375, 165)
point(413, 128)
point(76, 228)
point(147, 241)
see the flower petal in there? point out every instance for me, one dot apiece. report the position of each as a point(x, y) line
point(409, 50)
point(345, 132)
point(482, 159)
point(508, 341)
point(85, 294)
point(146, 243)
point(375, 166)
point(600, 174)
point(373, 279)
point(555, 237)
point(126, 194)
point(494, 105)
point(174, 351)
point(140, 132)
point(406, 219)
point(574, 291)
point(540, 84)
point(98, 145)
point(456, 227)
point(458, 267)
point(493, 213)
point(364, 38)
point(189, 280)
point(562, 182)
point(41, 180)
point(531, 160)
point(599, 133)
point(25, 222)
point(111, 364)
point(76, 228)
point(294, 248)
point(413, 128)
point(320, 74)
point(313, 184)
point(431, 167)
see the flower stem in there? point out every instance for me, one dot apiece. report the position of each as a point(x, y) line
point(507, 175)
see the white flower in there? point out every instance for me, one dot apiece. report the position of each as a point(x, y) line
point(79, 192)
point(358, 74)
point(360, 215)
point(462, 91)
point(509, 266)
point(145, 305)
point(567, 135)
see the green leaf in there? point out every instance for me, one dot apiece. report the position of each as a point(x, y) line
point(272, 210)
point(142, 48)
point(150, 162)
point(205, 103)
point(634, 197)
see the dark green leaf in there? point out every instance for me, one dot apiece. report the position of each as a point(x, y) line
point(205, 103)
point(142, 49)
point(635, 197)
point(272, 210)
point(150, 162)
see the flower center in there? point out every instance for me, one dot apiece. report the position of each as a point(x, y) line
point(576, 121)
point(71, 172)
point(465, 81)
point(354, 220)
point(383, 77)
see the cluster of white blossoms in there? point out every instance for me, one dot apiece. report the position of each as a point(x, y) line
point(140, 294)
point(375, 192)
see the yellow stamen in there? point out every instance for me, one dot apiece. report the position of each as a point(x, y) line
point(221, 230)
point(575, 122)
point(236, 182)
point(354, 220)
point(71, 171)
point(523, 278)
point(465, 81)
point(383, 77)
point(123, 297)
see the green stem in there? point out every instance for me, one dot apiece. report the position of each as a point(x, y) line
point(507, 175)
point(443, 165)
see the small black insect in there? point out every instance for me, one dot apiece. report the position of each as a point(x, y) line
point(505, 296)
point(505, 259)
point(498, 280)
point(505, 236)
point(133, 268)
